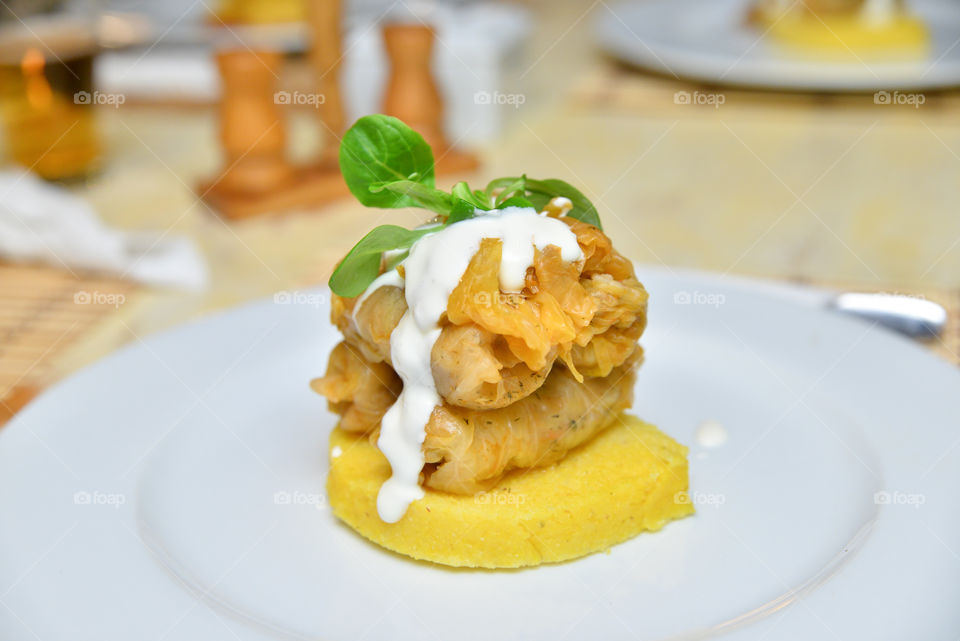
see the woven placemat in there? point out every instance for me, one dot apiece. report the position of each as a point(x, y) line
point(42, 312)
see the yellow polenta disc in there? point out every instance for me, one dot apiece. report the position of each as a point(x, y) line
point(629, 479)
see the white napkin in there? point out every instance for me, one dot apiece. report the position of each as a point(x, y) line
point(45, 223)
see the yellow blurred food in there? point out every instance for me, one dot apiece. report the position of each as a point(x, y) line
point(844, 28)
point(850, 35)
point(260, 12)
point(629, 479)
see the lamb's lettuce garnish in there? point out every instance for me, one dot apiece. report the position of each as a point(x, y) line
point(379, 150)
point(364, 259)
point(387, 164)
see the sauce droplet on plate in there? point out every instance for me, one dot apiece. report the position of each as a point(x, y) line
point(710, 434)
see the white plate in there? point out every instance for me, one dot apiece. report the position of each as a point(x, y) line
point(710, 41)
point(175, 491)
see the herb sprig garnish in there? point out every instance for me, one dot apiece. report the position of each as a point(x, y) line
point(387, 164)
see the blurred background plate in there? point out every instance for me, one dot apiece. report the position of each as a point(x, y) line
point(712, 41)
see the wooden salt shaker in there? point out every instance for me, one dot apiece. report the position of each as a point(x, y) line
point(252, 130)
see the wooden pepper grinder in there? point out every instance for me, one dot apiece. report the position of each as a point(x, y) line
point(252, 130)
point(326, 54)
point(412, 95)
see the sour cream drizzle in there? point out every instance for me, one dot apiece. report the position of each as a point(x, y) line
point(431, 272)
point(390, 278)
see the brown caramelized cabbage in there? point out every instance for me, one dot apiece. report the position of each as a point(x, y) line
point(524, 377)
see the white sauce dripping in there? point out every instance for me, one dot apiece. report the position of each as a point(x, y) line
point(432, 271)
point(563, 204)
point(390, 278)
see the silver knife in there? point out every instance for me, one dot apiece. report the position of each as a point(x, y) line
point(909, 315)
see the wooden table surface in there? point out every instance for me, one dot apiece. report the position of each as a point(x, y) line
point(822, 188)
